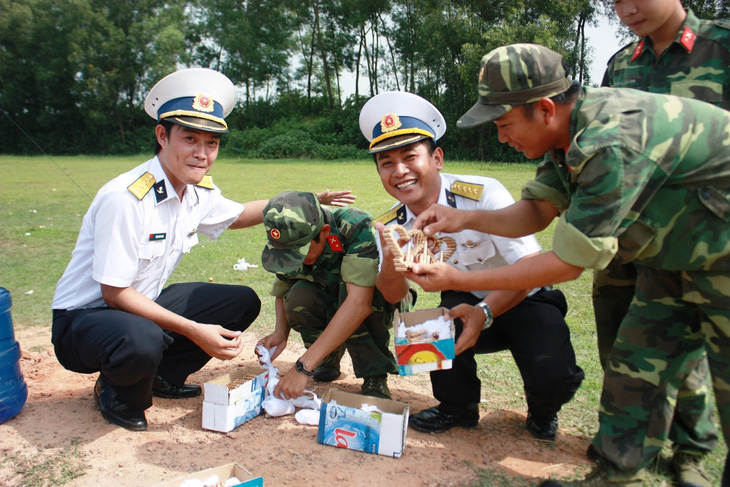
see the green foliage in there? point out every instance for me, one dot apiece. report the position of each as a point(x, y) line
point(74, 73)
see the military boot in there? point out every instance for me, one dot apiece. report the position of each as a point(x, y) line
point(687, 469)
point(376, 386)
point(329, 368)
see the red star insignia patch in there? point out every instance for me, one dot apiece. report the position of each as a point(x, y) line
point(638, 50)
point(688, 39)
point(334, 243)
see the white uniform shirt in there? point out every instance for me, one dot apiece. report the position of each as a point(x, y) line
point(476, 250)
point(128, 242)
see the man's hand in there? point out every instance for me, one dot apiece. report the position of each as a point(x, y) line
point(439, 218)
point(270, 341)
point(291, 385)
point(438, 276)
point(336, 198)
point(217, 341)
point(472, 318)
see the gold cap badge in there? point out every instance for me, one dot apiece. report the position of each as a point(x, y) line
point(390, 122)
point(203, 102)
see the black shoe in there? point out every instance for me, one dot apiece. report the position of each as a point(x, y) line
point(325, 373)
point(543, 429)
point(115, 411)
point(162, 388)
point(329, 368)
point(433, 420)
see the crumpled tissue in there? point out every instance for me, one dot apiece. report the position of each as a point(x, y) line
point(275, 406)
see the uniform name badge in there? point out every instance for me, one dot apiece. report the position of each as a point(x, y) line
point(157, 236)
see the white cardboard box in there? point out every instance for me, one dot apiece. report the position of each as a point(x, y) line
point(342, 423)
point(232, 399)
point(224, 472)
point(413, 358)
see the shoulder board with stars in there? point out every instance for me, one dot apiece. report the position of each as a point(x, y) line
point(389, 216)
point(142, 185)
point(206, 182)
point(467, 190)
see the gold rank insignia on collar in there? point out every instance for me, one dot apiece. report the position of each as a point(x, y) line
point(389, 215)
point(142, 185)
point(467, 190)
point(206, 182)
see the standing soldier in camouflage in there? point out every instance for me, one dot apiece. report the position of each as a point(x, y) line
point(681, 55)
point(326, 261)
point(640, 176)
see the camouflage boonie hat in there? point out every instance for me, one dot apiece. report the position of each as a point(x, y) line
point(292, 219)
point(517, 74)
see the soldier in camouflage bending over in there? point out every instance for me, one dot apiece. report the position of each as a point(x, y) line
point(325, 261)
point(638, 176)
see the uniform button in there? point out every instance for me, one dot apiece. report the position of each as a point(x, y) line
point(456, 262)
point(704, 194)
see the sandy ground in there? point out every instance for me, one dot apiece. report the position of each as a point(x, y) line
point(60, 418)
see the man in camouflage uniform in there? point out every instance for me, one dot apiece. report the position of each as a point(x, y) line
point(325, 261)
point(677, 54)
point(640, 176)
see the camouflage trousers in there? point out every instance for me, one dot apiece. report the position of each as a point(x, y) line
point(675, 321)
point(693, 425)
point(309, 309)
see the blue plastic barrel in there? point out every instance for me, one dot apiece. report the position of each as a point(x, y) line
point(13, 391)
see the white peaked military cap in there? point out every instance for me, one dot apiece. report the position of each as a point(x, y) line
point(397, 118)
point(198, 98)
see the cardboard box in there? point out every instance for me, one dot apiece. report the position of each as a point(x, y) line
point(413, 358)
point(231, 400)
point(342, 423)
point(224, 472)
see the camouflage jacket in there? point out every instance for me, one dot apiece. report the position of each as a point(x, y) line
point(695, 65)
point(350, 255)
point(646, 177)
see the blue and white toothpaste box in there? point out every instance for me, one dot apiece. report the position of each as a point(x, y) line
point(345, 424)
point(232, 399)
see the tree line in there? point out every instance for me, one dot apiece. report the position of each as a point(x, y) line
point(74, 73)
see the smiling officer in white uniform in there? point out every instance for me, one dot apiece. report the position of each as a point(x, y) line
point(111, 313)
point(402, 129)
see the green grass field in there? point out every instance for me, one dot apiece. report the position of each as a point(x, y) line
point(43, 201)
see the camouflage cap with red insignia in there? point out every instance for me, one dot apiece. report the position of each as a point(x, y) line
point(198, 98)
point(292, 219)
point(398, 118)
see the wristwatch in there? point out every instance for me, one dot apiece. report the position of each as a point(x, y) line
point(300, 368)
point(488, 316)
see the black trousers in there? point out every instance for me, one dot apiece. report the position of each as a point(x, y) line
point(538, 337)
point(130, 350)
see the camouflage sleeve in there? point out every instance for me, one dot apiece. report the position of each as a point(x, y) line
point(547, 186)
point(360, 264)
point(280, 287)
point(574, 248)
